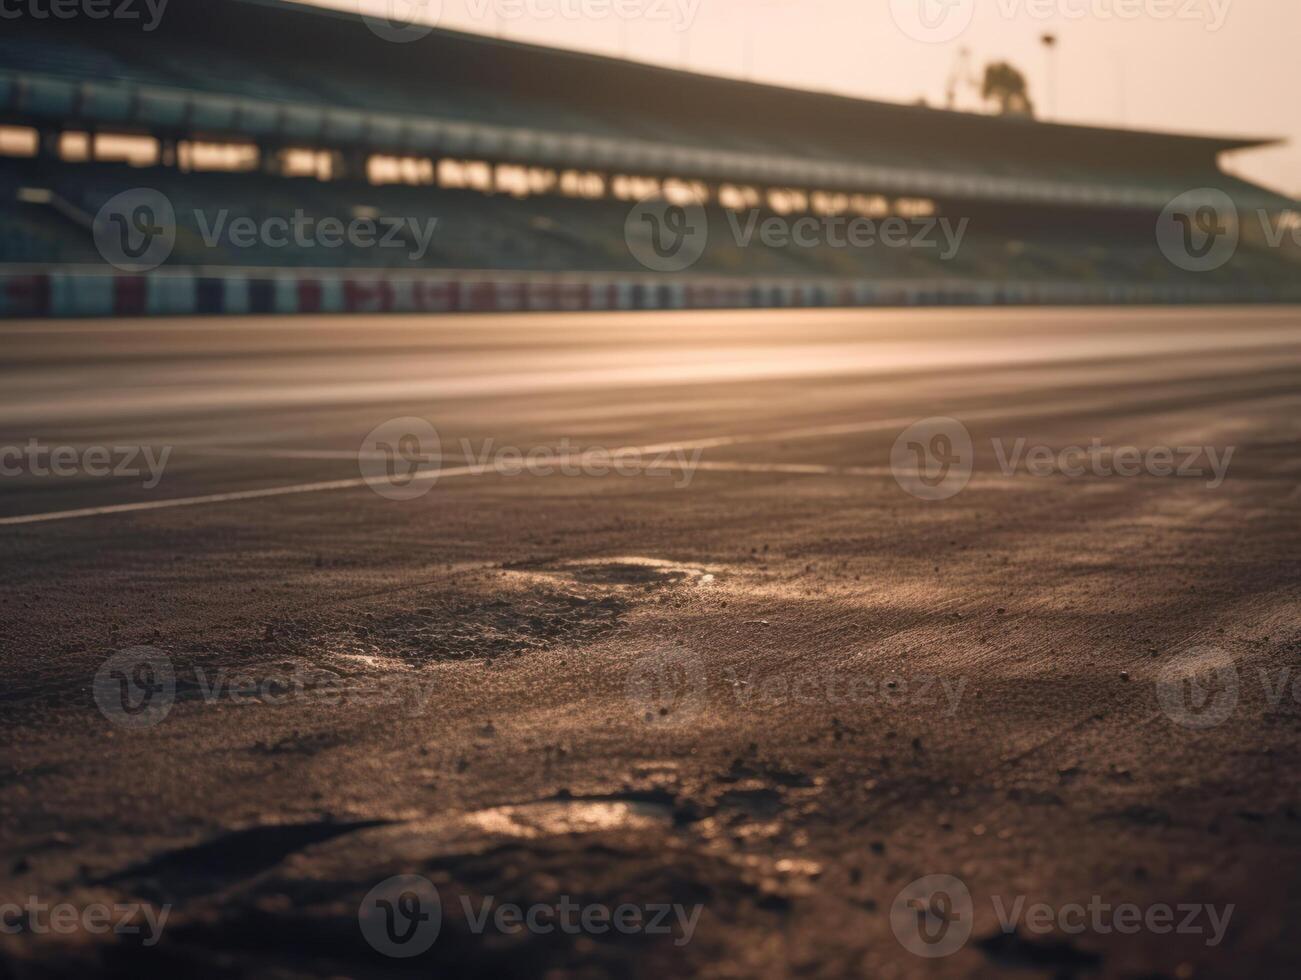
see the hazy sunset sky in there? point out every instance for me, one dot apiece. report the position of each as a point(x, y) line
point(1218, 66)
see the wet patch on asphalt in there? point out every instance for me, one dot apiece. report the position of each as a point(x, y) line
point(244, 899)
point(752, 802)
point(549, 818)
point(226, 859)
point(532, 606)
point(628, 571)
point(301, 743)
point(1061, 956)
point(451, 629)
point(274, 892)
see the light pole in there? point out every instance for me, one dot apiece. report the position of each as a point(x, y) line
point(1050, 49)
point(1122, 80)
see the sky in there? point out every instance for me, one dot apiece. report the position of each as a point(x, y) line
point(1225, 67)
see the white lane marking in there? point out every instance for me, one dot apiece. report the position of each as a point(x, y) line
point(794, 469)
point(475, 470)
point(221, 498)
point(667, 464)
point(713, 442)
point(710, 442)
point(271, 452)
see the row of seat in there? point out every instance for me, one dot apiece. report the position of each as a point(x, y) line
point(478, 231)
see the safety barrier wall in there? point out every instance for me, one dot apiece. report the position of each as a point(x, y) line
point(78, 293)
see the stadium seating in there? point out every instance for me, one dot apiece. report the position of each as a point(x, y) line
point(1043, 203)
point(544, 233)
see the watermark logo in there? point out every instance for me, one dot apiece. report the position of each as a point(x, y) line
point(668, 687)
point(399, 459)
point(1199, 230)
point(933, 21)
point(932, 459)
point(933, 916)
point(666, 237)
point(401, 21)
point(401, 916)
point(135, 231)
point(1199, 688)
point(135, 687)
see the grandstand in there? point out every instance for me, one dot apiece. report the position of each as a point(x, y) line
point(526, 162)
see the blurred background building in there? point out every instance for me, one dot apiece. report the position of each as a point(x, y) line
point(529, 162)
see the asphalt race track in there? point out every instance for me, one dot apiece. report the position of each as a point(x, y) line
point(677, 611)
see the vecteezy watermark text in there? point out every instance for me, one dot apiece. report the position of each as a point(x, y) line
point(933, 459)
point(668, 237)
point(835, 688)
point(137, 687)
point(566, 459)
point(678, 13)
point(402, 21)
point(1211, 13)
point(301, 230)
point(135, 231)
point(36, 458)
point(672, 686)
point(402, 458)
point(149, 12)
point(592, 918)
point(1185, 462)
point(97, 919)
point(843, 231)
point(402, 916)
point(933, 917)
point(941, 21)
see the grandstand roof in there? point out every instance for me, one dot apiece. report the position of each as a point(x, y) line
point(277, 70)
point(620, 71)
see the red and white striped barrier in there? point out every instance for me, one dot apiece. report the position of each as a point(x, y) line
point(82, 293)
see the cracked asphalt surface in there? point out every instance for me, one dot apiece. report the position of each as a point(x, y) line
point(658, 624)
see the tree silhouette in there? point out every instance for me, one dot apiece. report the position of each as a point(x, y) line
point(1006, 86)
